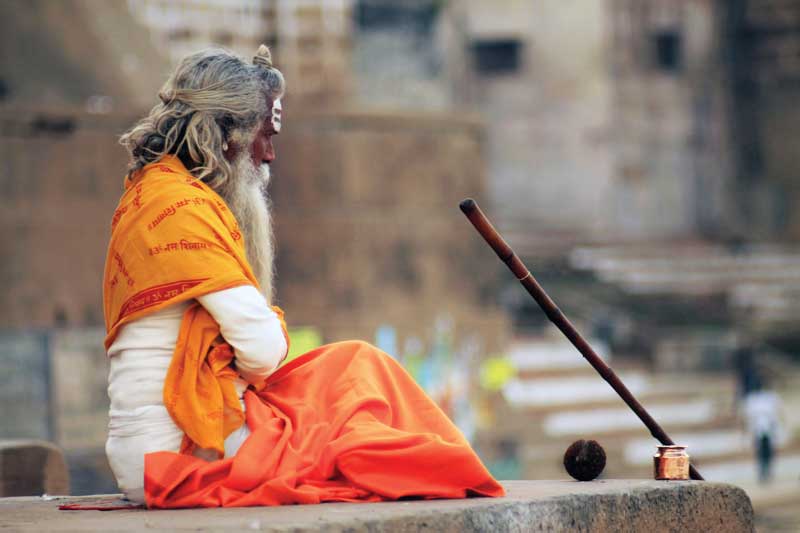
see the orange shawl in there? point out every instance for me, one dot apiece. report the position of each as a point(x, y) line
point(173, 239)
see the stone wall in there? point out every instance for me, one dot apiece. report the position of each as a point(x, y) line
point(608, 120)
point(538, 73)
point(368, 227)
point(670, 119)
point(763, 45)
point(86, 53)
point(60, 179)
point(310, 40)
point(32, 468)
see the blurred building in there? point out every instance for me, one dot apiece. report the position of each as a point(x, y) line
point(397, 55)
point(310, 39)
point(607, 118)
point(608, 121)
point(85, 55)
point(74, 76)
point(672, 167)
point(711, 84)
point(762, 55)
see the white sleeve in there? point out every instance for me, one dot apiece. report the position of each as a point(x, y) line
point(251, 327)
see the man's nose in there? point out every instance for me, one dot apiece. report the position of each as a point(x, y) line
point(269, 153)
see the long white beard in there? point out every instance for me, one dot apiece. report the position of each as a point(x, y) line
point(247, 198)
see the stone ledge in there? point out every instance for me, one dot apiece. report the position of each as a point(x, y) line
point(608, 505)
point(32, 467)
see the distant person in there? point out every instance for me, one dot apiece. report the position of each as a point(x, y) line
point(200, 413)
point(762, 409)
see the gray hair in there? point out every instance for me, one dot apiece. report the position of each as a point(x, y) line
point(213, 98)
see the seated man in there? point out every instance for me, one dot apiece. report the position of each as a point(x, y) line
point(199, 414)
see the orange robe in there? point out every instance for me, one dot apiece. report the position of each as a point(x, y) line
point(344, 422)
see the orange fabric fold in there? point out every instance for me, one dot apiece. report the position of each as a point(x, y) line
point(342, 423)
point(199, 391)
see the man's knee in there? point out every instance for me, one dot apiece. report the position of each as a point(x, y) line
point(365, 350)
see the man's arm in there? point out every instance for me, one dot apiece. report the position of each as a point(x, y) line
point(252, 329)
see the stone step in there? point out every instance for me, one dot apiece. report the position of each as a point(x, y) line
point(785, 467)
point(546, 392)
point(700, 258)
point(698, 269)
point(589, 391)
point(776, 500)
point(701, 445)
point(551, 353)
point(616, 428)
point(620, 419)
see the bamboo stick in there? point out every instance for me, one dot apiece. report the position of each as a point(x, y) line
point(518, 268)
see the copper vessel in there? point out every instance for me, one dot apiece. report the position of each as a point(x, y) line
point(671, 462)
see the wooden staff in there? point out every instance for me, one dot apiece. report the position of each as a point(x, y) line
point(504, 252)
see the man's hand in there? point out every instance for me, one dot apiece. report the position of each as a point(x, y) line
point(257, 381)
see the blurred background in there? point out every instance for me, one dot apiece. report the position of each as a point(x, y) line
point(641, 156)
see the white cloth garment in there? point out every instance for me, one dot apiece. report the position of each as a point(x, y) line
point(139, 359)
point(762, 412)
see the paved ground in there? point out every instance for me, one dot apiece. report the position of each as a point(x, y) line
point(776, 505)
point(780, 520)
point(608, 505)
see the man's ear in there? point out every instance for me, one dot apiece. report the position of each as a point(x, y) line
point(229, 150)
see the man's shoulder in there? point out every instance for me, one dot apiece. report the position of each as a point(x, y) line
point(166, 186)
point(164, 177)
point(158, 194)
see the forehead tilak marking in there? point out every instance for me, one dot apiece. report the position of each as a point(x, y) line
point(276, 115)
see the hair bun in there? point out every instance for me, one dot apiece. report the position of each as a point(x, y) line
point(166, 96)
point(263, 57)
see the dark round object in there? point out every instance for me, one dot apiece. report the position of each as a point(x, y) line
point(584, 460)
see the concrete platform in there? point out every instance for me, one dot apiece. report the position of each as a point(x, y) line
point(609, 505)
